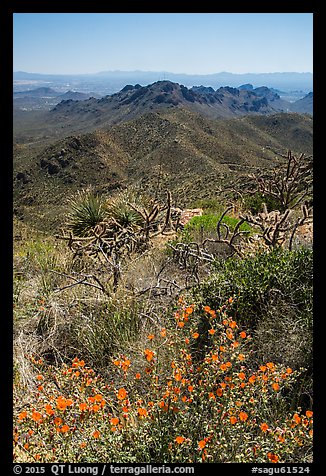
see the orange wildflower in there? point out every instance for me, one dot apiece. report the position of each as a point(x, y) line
point(272, 457)
point(243, 416)
point(64, 429)
point(195, 335)
point(125, 364)
point(233, 324)
point(49, 410)
point(83, 444)
point(228, 364)
point(270, 365)
point(150, 337)
point(36, 416)
point(289, 370)
point(233, 420)
point(122, 393)
point(190, 388)
point(296, 418)
point(309, 413)
point(178, 376)
point(202, 444)
point(137, 376)
point(39, 377)
point(83, 407)
point(149, 354)
point(241, 357)
point(223, 367)
point(214, 357)
point(22, 415)
point(219, 392)
point(207, 308)
point(241, 376)
point(180, 439)
point(57, 421)
point(263, 368)
point(114, 421)
point(275, 387)
point(142, 412)
point(98, 397)
point(61, 403)
point(212, 331)
point(252, 379)
point(163, 332)
point(243, 335)
point(96, 434)
point(264, 427)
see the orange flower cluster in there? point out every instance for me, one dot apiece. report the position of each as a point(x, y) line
point(215, 382)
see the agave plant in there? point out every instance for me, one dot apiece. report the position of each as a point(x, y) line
point(86, 211)
point(122, 212)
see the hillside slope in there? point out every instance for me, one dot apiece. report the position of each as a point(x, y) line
point(191, 155)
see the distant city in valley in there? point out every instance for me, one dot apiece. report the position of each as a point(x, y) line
point(290, 86)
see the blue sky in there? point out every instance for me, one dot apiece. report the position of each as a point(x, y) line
point(197, 43)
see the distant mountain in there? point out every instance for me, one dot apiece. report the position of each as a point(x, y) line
point(37, 93)
point(77, 96)
point(112, 81)
point(132, 101)
point(304, 105)
point(45, 98)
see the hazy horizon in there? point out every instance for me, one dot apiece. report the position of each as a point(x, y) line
point(162, 71)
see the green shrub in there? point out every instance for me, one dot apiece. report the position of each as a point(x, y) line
point(209, 205)
point(209, 222)
point(254, 203)
point(273, 301)
point(260, 281)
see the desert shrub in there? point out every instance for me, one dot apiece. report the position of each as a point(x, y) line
point(119, 208)
point(254, 203)
point(100, 329)
point(209, 205)
point(259, 281)
point(86, 211)
point(208, 223)
point(274, 299)
point(142, 411)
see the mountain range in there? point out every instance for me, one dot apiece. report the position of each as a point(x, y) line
point(108, 82)
point(71, 115)
point(194, 141)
